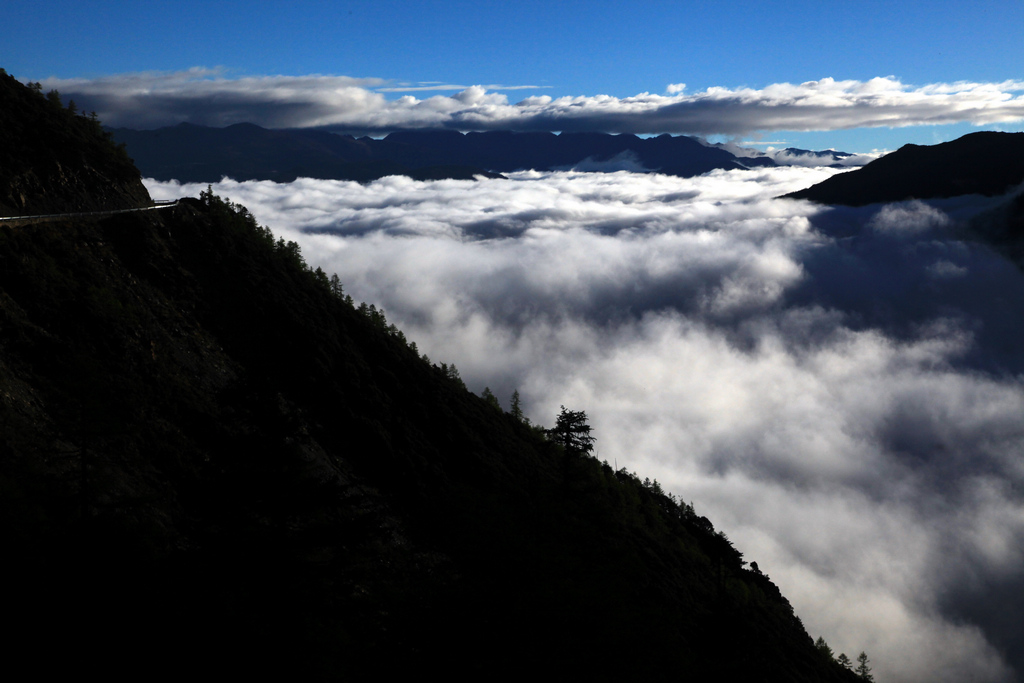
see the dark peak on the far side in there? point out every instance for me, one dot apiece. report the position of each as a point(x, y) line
point(985, 163)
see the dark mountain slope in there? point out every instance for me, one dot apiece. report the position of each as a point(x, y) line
point(207, 453)
point(55, 161)
point(984, 163)
point(208, 458)
point(190, 153)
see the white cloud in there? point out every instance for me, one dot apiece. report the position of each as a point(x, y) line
point(847, 409)
point(206, 97)
point(448, 86)
point(943, 269)
point(797, 157)
point(623, 161)
point(908, 218)
point(784, 157)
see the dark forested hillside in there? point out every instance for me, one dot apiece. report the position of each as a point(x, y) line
point(54, 159)
point(210, 459)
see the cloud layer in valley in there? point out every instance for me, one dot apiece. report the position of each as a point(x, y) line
point(203, 96)
point(839, 390)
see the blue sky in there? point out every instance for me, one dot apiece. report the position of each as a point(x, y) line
point(566, 49)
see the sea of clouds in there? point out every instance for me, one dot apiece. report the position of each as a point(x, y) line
point(839, 390)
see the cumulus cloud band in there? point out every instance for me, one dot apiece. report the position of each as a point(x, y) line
point(207, 97)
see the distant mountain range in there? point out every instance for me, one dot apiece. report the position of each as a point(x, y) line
point(191, 153)
point(985, 163)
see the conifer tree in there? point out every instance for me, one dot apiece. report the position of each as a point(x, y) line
point(336, 287)
point(844, 661)
point(452, 373)
point(863, 670)
point(321, 277)
point(489, 396)
point(516, 409)
point(823, 648)
point(572, 431)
